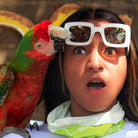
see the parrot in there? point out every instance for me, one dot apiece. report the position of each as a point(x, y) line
point(21, 79)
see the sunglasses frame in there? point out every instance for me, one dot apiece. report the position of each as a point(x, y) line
point(101, 31)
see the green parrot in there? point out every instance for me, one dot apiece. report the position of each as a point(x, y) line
point(21, 79)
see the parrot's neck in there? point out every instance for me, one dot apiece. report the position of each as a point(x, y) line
point(35, 71)
point(32, 78)
point(20, 63)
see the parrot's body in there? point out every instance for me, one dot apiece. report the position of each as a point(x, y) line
point(21, 80)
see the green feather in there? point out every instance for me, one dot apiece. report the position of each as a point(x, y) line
point(20, 61)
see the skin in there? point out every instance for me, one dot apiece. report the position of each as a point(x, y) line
point(94, 62)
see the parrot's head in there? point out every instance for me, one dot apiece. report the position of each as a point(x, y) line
point(39, 45)
point(39, 42)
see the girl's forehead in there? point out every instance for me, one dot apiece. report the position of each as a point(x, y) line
point(97, 23)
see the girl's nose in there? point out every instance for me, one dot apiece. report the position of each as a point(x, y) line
point(95, 62)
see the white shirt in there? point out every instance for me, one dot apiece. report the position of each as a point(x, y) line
point(130, 130)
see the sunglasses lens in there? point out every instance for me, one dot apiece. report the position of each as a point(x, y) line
point(80, 33)
point(115, 35)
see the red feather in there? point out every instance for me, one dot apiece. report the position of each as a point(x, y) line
point(25, 94)
point(41, 31)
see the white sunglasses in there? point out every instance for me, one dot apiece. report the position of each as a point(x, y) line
point(113, 34)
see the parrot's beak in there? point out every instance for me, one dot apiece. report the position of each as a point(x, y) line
point(59, 35)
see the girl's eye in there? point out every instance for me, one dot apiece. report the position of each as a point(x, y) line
point(79, 50)
point(110, 51)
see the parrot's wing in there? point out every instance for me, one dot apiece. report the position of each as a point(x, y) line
point(6, 80)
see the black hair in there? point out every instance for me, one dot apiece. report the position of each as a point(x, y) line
point(94, 14)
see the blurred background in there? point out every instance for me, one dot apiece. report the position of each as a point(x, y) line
point(29, 12)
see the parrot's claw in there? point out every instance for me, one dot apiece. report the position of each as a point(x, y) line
point(34, 125)
point(21, 131)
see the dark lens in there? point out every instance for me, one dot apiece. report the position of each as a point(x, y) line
point(115, 35)
point(80, 33)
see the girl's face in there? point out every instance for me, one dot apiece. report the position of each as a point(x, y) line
point(94, 74)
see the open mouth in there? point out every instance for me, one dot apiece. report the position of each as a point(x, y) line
point(96, 85)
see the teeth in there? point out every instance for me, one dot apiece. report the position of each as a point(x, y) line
point(96, 81)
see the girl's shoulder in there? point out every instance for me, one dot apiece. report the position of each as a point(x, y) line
point(130, 130)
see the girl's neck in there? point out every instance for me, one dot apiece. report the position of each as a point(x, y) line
point(80, 111)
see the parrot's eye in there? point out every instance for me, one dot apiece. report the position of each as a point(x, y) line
point(39, 45)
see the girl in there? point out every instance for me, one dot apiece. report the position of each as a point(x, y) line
point(99, 72)
point(99, 69)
